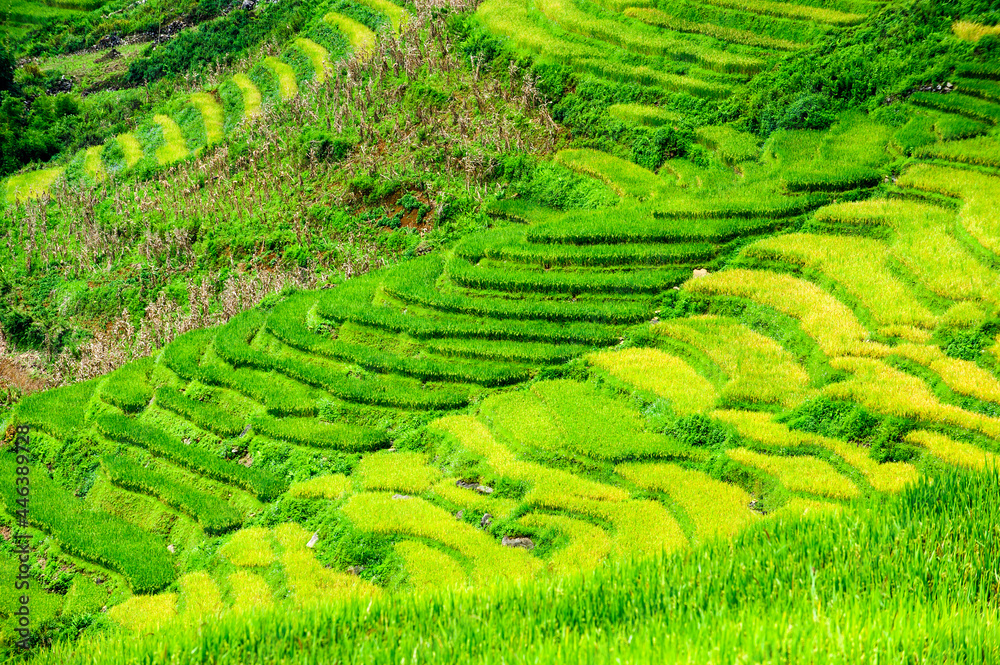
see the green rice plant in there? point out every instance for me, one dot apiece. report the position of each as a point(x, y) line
point(346, 304)
point(562, 416)
point(641, 39)
point(978, 151)
point(759, 369)
point(799, 473)
point(792, 11)
point(718, 509)
point(414, 517)
point(318, 56)
point(951, 127)
point(621, 282)
point(287, 322)
point(308, 580)
point(470, 499)
point(642, 114)
point(832, 178)
point(660, 373)
point(400, 471)
point(59, 411)
point(361, 38)
point(761, 204)
point(211, 115)
point(824, 318)
point(756, 426)
point(860, 265)
point(30, 185)
point(212, 513)
point(534, 353)
point(126, 430)
point(249, 592)
point(249, 548)
point(733, 35)
point(951, 451)
point(589, 545)
point(980, 193)
point(647, 76)
point(428, 568)
point(642, 610)
point(638, 225)
point(251, 95)
point(625, 178)
point(509, 245)
point(885, 389)
point(199, 597)
point(93, 535)
point(313, 432)
point(978, 70)
point(174, 146)
point(233, 345)
point(414, 282)
point(984, 89)
point(731, 145)
point(287, 86)
point(143, 614)
point(203, 414)
point(332, 486)
point(973, 107)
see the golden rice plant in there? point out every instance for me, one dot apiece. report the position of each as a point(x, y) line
point(249, 547)
point(979, 192)
point(718, 509)
point(951, 451)
point(589, 545)
point(174, 146)
point(402, 471)
point(248, 591)
point(332, 486)
point(211, 115)
point(972, 32)
point(962, 376)
point(799, 473)
point(429, 568)
point(145, 613)
point(199, 596)
point(858, 264)
point(309, 581)
point(798, 508)
point(287, 85)
point(884, 389)
point(624, 177)
point(252, 99)
point(759, 369)
point(923, 243)
point(661, 373)
point(412, 516)
point(757, 426)
point(824, 318)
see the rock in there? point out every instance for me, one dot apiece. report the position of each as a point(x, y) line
point(312, 541)
point(248, 5)
point(518, 541)
point(355, 570)
point(460, 514)
point(465, 485)
point(486, 520)
point(170, 548)
point(245, 430)
point(400, 497)
point(484, 489)
point(700, 272)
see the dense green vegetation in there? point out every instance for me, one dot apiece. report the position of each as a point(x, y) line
point(524, 330)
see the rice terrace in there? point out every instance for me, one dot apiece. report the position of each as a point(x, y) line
point(499, 331)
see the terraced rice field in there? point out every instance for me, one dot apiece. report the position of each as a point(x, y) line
point(739, 343)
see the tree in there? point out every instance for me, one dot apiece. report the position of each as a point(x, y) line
point(7, 65)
